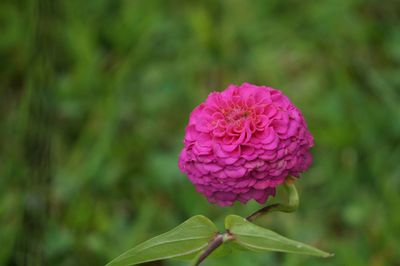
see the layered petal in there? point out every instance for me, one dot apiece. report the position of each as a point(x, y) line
point(242, 142)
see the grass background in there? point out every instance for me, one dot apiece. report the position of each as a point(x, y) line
point(95, 95)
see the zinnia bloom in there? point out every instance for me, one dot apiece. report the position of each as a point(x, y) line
point(243, 142)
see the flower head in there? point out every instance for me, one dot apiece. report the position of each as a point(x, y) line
point(242, 142)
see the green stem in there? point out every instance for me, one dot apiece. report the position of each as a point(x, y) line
point(290, 206)
point(218, 240)
point(213, 245)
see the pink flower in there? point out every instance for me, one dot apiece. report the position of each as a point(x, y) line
point(242, 142)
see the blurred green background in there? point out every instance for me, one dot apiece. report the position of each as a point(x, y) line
point(95, 96)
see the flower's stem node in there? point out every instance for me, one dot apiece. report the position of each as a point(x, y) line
point(218, 240)
point(227, 236)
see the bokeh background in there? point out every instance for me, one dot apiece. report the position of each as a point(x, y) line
point(95, 96)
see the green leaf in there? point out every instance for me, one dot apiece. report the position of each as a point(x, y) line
point(256, 238)
point(184, 241)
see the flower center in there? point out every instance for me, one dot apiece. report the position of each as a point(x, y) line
point(236, 115)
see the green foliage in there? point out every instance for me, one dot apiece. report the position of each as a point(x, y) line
point(186, 240)
point(256, 238)
point(191, 239)
point(124, 76)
